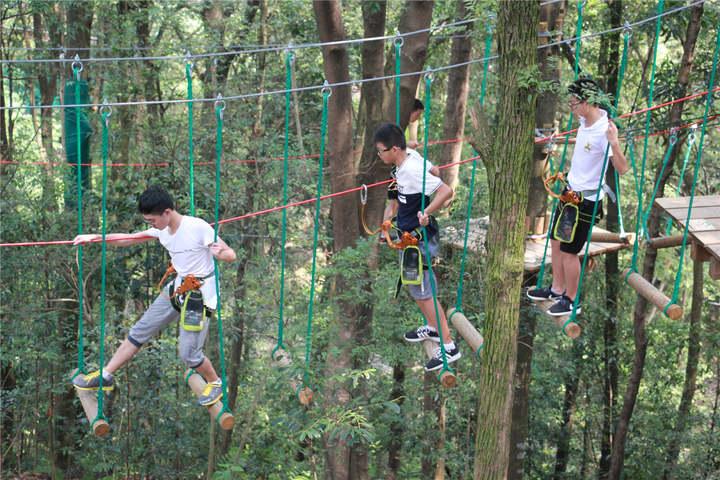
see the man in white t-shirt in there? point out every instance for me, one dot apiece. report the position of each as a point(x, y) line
point(405, 205)
point(191, 244)
point(595, 134)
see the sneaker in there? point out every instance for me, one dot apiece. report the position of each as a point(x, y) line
point(540, 294)
point(563, 306)
point(211, 394)
point(91, 381)
point(422, 333)
point(436, 363)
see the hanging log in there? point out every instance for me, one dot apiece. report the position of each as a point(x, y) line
point(465, 329)
point(281, 359)
point(197, 384)
point(89, 401)
point(572, 329)
point(648, 291)
point(600, 236)
point(447, 379)
point(665, 242)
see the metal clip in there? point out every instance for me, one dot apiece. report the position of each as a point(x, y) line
point(363, 194)
point(77, 65)
point(220, 104)
point(398, 41)
point(326, 90)
point(105, 111)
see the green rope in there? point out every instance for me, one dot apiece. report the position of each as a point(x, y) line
point(81, 322)
point(398, 48)
point(471, 191)
point(191, 148)
point(621, 76)
point(433, 287)
point(283, 236)
point(666, 159)
point(103, 257)
point(626, 45)
point(219, 109)
point(708, 102)
point(563, 158)
point(648, 115)
point(688, 149)
point(326, 92)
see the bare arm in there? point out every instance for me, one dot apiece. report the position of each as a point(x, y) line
point(117, 239)
point(222, 252)
point(618, 157)
point(391, 209)
point(442, 195)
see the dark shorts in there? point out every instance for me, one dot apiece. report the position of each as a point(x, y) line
point(583, 226)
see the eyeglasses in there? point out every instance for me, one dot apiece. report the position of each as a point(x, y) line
point(383, 150)
point(574, 103)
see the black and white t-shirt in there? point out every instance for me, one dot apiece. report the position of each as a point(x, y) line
point(409, 179)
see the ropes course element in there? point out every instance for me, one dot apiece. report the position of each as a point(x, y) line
point(219, 113)
point(688, 149)
point(578, 34)
point(339, 84)
point(233, 52)
point(305, 394)
point(398, 42)
point(191, 148)
point(455, 315)
point(570, 327)
point(447, 374)
point(280, 350)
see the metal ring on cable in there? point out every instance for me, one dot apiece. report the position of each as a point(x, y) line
point(399, 41)
point(691, 135)
point(428, 75)
point(363, 194)
point(326, 89)
point(188, 58)
point(220, 103)
point(105, 108)
point(76, 61)
point(673, 135)
point(490, 23)
point(627, 29)
point(289, 52)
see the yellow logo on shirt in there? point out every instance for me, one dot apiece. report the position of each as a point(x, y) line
point(587, 147)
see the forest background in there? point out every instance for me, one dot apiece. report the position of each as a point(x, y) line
point(637, 396)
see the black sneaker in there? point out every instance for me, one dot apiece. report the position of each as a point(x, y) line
point(422, 333)
point(436, 363)
point(563, 306)
point(91, 381)
point(540, 294)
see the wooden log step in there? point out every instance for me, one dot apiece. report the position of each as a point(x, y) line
point(648, 291)
point(447, 379)
point(89, 401)
point(281, 359)
point(602, 236)
point(465, 329)
point(572, 329)
point(197, 384)
point(665, 242)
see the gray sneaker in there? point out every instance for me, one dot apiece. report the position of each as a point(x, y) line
point(211, 394)
point(91, 381)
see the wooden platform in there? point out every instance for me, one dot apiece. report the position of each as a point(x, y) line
point(704, 230)
point(534, 250)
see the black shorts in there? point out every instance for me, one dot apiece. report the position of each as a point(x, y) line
point(583, 227)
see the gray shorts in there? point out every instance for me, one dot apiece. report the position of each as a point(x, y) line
point(160, 314)
point(423, 291)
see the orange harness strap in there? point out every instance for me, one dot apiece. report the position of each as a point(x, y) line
point(569, 196)
point(406, 238)
point(170, 270)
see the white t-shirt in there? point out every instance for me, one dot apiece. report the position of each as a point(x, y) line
point(409, 178)
point(589, 155)
point(190, 253)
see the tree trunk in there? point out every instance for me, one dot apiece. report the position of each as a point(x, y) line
point(417, 15)
point(509, 166)
point(610, 69)
point(457, 96)
point(648, 270)
point(551, 19)
point(693, 356)
point(351, 327)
